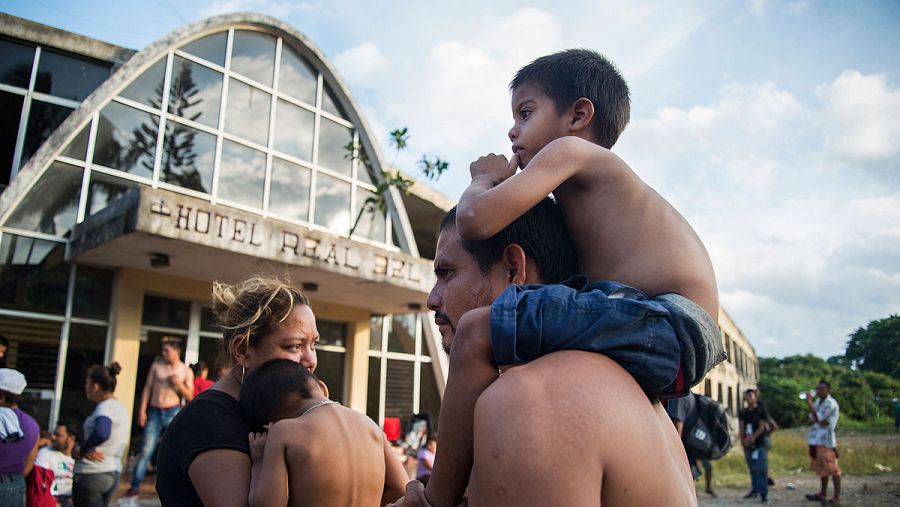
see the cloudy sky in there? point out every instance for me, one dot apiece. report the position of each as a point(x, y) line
point(772, 126)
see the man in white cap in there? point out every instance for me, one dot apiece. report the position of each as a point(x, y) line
point(18, 439)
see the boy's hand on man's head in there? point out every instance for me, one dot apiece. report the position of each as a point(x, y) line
point(495, 168)
point(257, 446)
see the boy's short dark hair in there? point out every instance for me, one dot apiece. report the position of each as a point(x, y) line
point(542, 234)
point(569, 75)
point(827, 383)
point(172, 341)
point(270, 392)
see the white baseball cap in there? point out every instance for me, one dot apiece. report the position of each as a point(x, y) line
point(12, 381)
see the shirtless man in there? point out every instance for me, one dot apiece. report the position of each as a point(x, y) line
point(316, 452)
point(168, 383)
point(592, 435)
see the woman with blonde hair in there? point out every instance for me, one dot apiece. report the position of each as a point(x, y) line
point(204, 456)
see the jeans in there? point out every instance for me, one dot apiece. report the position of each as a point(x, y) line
point(94, 490)
point(158, 419)
point(759, 470)
point(12, 490)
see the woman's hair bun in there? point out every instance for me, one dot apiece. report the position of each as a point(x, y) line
point(114, 368)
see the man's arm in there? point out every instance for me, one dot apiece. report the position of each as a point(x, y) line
point(185, 387)
point(395, 477)
point(145, 396)
point(497, 196)
point(269, 477)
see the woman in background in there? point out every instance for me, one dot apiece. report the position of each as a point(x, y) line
point(18, 439)
point(99, 457)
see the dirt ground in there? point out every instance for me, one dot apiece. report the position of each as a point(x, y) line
point(856, 491)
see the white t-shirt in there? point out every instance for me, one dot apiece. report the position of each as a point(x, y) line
point(62, 466)
point(114, 447)
point(828, 411)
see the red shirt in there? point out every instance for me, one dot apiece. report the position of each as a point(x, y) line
point(201, 384)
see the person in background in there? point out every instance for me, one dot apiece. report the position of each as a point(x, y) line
point(753, 425)
point(4, 346)
point(18, 439)
point(823, 453)
point(201, 380)
point(98, 464)
point(896, 414)
point(426, 460)
point(169, 385)
point(680, 410)
point(44, 439)
point(57, 457)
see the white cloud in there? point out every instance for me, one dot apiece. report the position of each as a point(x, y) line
point(362, 62)
point(276, 8)
point(862, 112)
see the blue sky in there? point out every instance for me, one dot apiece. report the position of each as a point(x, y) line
point(772, 126)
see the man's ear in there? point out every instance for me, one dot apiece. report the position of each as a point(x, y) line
point(324, 388)
point(515, 262)
point(582, 113)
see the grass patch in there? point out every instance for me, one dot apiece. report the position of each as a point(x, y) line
point(877, 426)
point(789, 456)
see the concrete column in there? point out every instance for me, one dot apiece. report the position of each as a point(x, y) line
point(357, 372)
point(124, 341)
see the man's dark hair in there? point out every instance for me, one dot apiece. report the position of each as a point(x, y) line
point(827, 384)
point(569, 75)
point(4, 341)
point(69, 426)
point(272, 391)
point(172, 341)
point(542, 234)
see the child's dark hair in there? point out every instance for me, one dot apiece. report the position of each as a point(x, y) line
point(198, 367)
point(270, 392)
point(104, 376)
point(575, 73)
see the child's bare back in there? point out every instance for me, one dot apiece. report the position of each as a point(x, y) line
point(333, 456)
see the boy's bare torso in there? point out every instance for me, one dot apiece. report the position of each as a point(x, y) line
point(623, 230)
point(334, 455)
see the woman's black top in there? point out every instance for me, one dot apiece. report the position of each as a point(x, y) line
point(212, 420)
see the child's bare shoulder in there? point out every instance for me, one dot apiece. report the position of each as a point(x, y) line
point(589, 161)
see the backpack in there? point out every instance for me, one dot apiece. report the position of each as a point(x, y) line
point(707, 432)
point(38, 488)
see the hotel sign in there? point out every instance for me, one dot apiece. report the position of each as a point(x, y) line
point(184, 218)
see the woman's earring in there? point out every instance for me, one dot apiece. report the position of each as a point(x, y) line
point(242, 374)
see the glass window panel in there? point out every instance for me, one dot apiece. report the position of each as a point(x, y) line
point(86, 347)
point(67, 76)
point(9, 129)
point(332, 333)
point(209, 321)
point(375, 326)
point(52, 204)
point(93, 290)
point(398, 389)
point(253, 55)
point(429, 396)
point(289, 195)
point(77, 148)
point(330, 370)
point(211, 48)
point(294, 130)
point(126, 139)
point(370, 219)
point(424, 350)
point(242, 174)
point(195, 92)
point(334, 140)
point(104, 189)
point(42, 121)
point(402, 334)
point(210, 352)
point(333, 203)
point(33, 274)
point(34, 350)
point(330, 105)
point(248, 112)
point(16, 64)
point(373, 391)
point(364, 169)
point(188, 157)
point(148, 87)
point(160, 311)
point(296, 77)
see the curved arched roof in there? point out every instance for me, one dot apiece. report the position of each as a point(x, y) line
point(170, 48)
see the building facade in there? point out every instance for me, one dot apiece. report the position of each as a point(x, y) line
point(228, 148)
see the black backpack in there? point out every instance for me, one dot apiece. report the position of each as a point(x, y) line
point(707, 432)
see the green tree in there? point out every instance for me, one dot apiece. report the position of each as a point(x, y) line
point(876, 347)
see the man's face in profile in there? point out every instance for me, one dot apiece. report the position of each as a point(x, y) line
point(460, 285)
